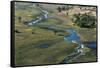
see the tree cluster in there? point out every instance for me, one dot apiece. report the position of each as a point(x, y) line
point(62, 8)
point(85, 20)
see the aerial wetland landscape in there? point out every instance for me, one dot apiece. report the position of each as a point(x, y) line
point(54, 33)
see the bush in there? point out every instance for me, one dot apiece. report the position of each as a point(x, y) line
point(85, 20)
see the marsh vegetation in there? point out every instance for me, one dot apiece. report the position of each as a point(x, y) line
point(43, 43)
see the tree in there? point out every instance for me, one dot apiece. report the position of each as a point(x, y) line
point(59, 9)
point(68, 7)
point(17, 31)
point(85, 20)
point(19, 18)
point(63, 8)
point(37, 4)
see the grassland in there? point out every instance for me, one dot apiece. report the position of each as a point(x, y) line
point(36, 46)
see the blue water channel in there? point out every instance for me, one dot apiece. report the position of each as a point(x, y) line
point(74, 37)
point(92, 45)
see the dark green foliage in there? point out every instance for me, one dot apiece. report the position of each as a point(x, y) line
point(63, 8)
point(85, 20)
point(17, 31)
point(19, 18)
point(68, 7)
point(38, 4)
point(59, 9)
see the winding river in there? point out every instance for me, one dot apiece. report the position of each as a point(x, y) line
point(43, 16)
point(73, 37)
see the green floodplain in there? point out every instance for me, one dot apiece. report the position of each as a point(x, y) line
point(30, 40)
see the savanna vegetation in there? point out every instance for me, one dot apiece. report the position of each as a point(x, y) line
point(85, 20)
point(36, 45)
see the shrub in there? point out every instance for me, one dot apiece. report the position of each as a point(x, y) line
point(85, 20)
